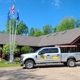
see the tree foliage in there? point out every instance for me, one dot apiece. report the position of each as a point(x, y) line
point(6, 48)
point(3, 31)
point(37, 33)
point(21, 28)
point(55, 29)
point(77, 23)
point(31, 32)
point(47, 29)
point(26, 49)
point(10, 23)
point(66, 24)
point(0, 48)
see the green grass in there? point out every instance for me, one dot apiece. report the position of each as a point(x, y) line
point(4, 63)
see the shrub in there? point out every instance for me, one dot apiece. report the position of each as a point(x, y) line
point(26, 49)
point(6, 49)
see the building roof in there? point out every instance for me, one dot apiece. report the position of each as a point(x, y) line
point(64, 37)
point(27, 40)
point(21, 40)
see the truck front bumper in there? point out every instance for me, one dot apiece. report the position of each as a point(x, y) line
point(21, 63)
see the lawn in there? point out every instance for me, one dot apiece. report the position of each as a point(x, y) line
point(6, 64)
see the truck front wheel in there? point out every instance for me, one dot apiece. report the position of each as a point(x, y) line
point(29, 64)
point(71, 62)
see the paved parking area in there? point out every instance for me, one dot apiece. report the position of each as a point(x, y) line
point(47, 72)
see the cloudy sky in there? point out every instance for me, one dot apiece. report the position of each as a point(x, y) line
point(37, 13)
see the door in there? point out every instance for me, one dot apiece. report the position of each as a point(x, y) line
point(54, 55)
point(43, 56)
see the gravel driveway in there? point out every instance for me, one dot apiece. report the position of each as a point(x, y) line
point(47, 72)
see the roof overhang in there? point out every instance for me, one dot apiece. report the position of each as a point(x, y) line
point(66, 45)
point(75, 40)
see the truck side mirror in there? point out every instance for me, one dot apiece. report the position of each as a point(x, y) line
point(39, 53)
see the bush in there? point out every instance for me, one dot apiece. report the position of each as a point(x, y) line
point(26, 49)
point(6, 48)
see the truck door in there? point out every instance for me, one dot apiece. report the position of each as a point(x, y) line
point(43, 56)
point(54, 55)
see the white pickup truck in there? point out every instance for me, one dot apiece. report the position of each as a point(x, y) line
point(49, 55)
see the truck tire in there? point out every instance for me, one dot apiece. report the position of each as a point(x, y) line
point(29, 64)
point(71, 63)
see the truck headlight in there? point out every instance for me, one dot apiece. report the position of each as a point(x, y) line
point(22, 57)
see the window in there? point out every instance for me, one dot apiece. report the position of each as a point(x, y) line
point(49, 50)
point(71, 49)
point(44, 51)
point(75, 49)
point(53, 50)
point(64, 50)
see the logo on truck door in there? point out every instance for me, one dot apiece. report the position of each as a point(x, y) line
point(43, 57)
point(55, 57)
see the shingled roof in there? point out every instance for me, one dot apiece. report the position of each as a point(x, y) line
point(65, 37)
point(21, 40)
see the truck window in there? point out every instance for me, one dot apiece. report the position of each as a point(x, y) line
point(75, 49)
point(64, 50)
point(53, 50)
point(71, 49)
point(44, 51)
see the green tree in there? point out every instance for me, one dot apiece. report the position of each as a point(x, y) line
point(47, 29)
point(10, 23)
point(6, 48)
point(22, 29)
point(66, 24)
point(55, 29)
point(2, 31)
point(31, 33)
point(26, 49)
point(37, 33)
point(0, 48)
point(77, 23)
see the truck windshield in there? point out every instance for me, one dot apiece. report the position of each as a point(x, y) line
point(37, 50)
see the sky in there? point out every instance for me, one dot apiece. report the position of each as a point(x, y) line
point(38, 13)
